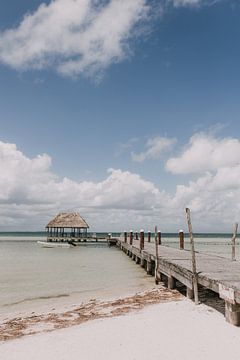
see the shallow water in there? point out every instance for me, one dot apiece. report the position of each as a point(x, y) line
point(37, 279)
point(220, 246)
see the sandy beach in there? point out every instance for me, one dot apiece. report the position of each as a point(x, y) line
point(155, 324)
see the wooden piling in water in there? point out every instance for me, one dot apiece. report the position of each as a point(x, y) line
point(181, 239)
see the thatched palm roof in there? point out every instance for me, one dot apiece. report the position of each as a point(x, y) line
point(68, 220)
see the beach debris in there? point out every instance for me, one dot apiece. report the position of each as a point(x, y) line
point(29, 325)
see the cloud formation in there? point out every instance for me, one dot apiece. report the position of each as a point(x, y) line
point(74, 36)
point(28, 189)
point(205, 153)
point(155, 147)
point(30, 193)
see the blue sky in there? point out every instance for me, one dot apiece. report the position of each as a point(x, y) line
point(174, 76)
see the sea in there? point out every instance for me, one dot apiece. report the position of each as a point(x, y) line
point(37, 280)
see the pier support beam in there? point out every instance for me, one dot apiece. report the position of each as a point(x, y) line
point(190, 293)
point(137, 260)
point(171, 283)
point(149, 266)
point(232, 313)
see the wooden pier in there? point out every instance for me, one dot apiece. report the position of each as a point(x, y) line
point(218, 274)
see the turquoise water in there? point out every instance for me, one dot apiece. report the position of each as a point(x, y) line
point(35, 279)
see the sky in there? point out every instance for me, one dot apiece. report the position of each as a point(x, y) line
point(124, 110)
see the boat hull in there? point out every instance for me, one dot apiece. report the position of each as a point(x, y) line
point(46, 244)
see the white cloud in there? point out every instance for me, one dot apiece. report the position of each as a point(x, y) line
point(205, 153)
point(29, 190)
point(30, 194)
point(154, 148)
point(74, 36)
point(213, 199)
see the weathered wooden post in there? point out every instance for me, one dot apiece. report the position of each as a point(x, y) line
point(136, 235)
point(149, 236)
point(142, 240)
point(149, 265)
point(181, 239)
point(156, 261)
point(194, 268)
point(125, 236)
point(159, 236)
point(131, 237)
point(234, 242)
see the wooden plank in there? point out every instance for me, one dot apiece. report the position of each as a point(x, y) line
point(212, 270)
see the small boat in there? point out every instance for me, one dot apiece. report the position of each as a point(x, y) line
point(48, 244)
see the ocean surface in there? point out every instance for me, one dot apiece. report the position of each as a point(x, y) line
point(35, 279)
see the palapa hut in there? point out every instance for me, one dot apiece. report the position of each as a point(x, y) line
point(67, 226)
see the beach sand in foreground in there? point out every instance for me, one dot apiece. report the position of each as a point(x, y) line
point(169, 331)
point(164, 330)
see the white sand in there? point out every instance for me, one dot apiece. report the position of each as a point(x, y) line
point(174, 330)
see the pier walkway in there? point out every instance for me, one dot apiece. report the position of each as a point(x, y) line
point(216, 273)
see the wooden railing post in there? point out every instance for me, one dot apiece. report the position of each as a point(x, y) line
point(181, 239)
point(156, 260)
point(149, 236)
point(194, 268)
point(131, 237)
point(159, 236)
point(125, 236)
point(234, 242)
point(142, 240)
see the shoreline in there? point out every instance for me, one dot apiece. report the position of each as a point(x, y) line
point(20, 326)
